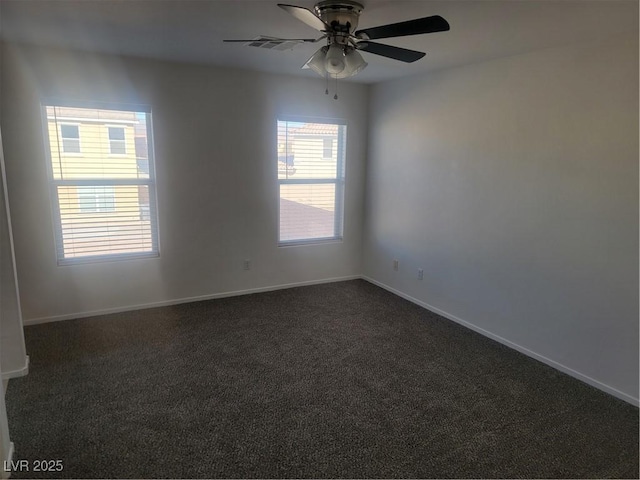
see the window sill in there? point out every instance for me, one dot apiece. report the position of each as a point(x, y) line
point(311, 241)
point(107, 258)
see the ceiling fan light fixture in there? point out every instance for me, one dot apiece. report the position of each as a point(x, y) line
point(316, 62)
point(353, 63)
point(334, 61)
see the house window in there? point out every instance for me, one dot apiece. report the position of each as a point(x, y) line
point(116, 141)
point(70, 138)
point(104, 206)
point(96, 199)
point(327, 148)
point(310, 181)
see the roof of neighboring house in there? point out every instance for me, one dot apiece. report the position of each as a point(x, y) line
point(93, 114)
point(311, 129)
point(315, 129)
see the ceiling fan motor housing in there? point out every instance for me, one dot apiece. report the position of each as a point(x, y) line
point(341, 15)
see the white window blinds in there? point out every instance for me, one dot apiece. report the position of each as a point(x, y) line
point(311, 159)
point(102, 183)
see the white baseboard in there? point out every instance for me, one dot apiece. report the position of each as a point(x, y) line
point(552, 363)
point(7, 461)
point(178, 301)
point(20, 372)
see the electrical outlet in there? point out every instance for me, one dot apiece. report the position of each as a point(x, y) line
point(420, 274)
point(395, 265)
point(247, 264)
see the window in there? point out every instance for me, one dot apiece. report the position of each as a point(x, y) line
point(310, 181)
point(116, 141)
point(104, 206)
point(96, 199)
point(70, 138)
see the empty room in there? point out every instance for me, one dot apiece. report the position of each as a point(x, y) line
point(324, 239)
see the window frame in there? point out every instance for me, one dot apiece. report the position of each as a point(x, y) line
point(62, 138)
point(149, 182)
point(122, 142)
point(339, 181)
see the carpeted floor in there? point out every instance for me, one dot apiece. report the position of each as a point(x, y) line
point(335, 380)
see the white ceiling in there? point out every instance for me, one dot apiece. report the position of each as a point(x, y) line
point(192, 30)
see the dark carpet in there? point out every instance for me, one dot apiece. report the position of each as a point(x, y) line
point(335, 380)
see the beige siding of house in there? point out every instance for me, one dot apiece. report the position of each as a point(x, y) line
point(94, 151)
point(310, 163)
point(95, 161)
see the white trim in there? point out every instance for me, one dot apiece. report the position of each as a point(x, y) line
point(12, 259)
point(311, 119)
point(7, 461)
point(177, 301)
point(21, 372)
point(530, 353)
point(310, 241)
point(81, 120)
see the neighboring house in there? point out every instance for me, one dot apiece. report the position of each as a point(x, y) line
point(90, 148)
point(308, 151)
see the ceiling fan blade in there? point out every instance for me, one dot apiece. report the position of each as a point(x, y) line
point(275, 40)
point(411, 27)
point(306, 16)
point(397, 53)
point(306, 64)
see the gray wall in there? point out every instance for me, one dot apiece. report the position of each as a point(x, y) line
point(215, 142)
point(514, 185)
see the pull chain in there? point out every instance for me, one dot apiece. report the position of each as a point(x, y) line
point(335, 97)
point(326, 77)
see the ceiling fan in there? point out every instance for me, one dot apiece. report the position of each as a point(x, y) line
point(338, 21)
